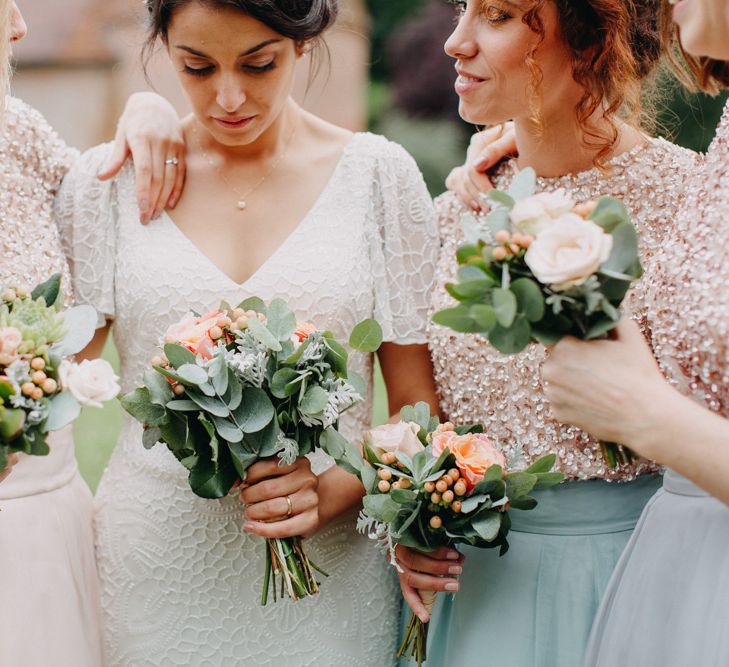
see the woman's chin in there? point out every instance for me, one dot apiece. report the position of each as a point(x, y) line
point(478, 115)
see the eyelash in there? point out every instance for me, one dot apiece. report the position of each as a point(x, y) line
point(462, 5)
point(204, 71)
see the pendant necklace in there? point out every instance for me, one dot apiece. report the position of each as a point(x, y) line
point(242, 203)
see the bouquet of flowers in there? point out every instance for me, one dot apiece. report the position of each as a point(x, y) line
point(40, 389)
point(241, 384)
point(540, 267)
point(430, 485)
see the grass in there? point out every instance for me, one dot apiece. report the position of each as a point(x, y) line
point(96, 431)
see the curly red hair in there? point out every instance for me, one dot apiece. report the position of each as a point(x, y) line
point(615, 46)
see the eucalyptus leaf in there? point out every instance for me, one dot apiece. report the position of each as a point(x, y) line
point(498, 220)
point(336, 355)
point(488, 525)
point(183, 405)
point(519, 484)
point(242, 458)
point(381, 507)
point(160, 391)
point(529, 299)
point(80, 321)
point(192, 374)
point(458, 318)
point(624, 251)
point(174, 432)
point(473, 502)
point(523, 503)
point(403, 496)
point(265, 441)
point(504, 302)
point(49, 290)
point(255, 411)
point(219, 374)
point(254, 303)
point(234, 393)
point(280, 320)
point(368, 477)
point(523, 185)
point(484, 316)
point(542, 464)
point(212, 404)
point(513, 339)
point(471, 289)
point(226, 430)
point(282, 383)
point(178, 355)
point(263, 335)
point(473, 229)
point(314, 401)
point(500, 198)
point(137, 403)
point(366, 336)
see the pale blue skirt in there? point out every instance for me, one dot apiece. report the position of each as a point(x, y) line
point(534, 606)
point(667, 604)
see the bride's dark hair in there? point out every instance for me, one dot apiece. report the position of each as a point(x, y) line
point(300, 20)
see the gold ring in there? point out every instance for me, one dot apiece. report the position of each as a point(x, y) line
point(291, 507)
point(172, 161)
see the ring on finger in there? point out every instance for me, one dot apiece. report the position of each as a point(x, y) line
point(172, 161)
point(290, 505)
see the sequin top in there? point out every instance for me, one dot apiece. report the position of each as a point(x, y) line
point(689, 299)
point(33, 162)
point(478, 384)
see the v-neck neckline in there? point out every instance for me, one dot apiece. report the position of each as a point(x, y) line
point(294, 232)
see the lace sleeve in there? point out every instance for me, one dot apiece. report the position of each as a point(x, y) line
point(85, 211)
point(404, 247)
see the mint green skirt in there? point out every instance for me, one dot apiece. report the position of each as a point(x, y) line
point(534, 606)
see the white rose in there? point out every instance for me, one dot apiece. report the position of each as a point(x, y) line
point(568, 252)
point(91, 382)
point(534, 214)
point(400, 437)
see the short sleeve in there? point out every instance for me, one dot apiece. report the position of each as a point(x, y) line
point(85, 211)
point(404, 247)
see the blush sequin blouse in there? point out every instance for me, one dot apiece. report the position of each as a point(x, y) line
point(478, 384)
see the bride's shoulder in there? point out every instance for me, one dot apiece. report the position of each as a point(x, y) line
point(663, 157)
point(381, 150)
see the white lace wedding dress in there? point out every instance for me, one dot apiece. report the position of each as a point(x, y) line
point(181, 584)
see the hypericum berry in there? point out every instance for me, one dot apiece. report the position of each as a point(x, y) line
point(39, 377)
point(241, 323)
point(238, 312)
point(500, 253)
point(448, 497)
point(50, 386)
point(441, 486)
point(178, 389)
point(456, 506)
point(454, 474)
point(460, 488)
point(383, 486)
point(38, 363)
point(9, 295)
point(388, 458)
point(37, 394)
point(23, 291)
point(223, 321)
point(157, 361)
point(515, 249)
point(435, 498)
point(502, 236)
point(385, 474)
point(215, 332)
point(429, 487)
point(405, 483)
point(27, 388)
point(436, 522)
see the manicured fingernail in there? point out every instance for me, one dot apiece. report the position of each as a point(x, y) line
point(248, 527)
point(143, 205)
point(481, 163)
point(455, 569)
point(156, 214)
point(424, 618)
point(453, 555)
point(475, 205)
point(452, 586)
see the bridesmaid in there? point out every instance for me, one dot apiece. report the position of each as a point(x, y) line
point(667, 600)
point(49, 609)
point(562, 71)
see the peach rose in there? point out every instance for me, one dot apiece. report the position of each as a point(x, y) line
point(303, 331)
point(474, 453)
point(10, 340)
point(194, 333)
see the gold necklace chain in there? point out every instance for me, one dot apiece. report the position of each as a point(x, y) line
point(242, 204)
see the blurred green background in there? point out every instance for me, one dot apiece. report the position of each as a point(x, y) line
point(411, 100)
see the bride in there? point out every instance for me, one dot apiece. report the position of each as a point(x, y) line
point(277, 203)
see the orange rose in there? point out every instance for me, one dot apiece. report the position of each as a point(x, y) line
point(474, 453)
point(194, 333)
